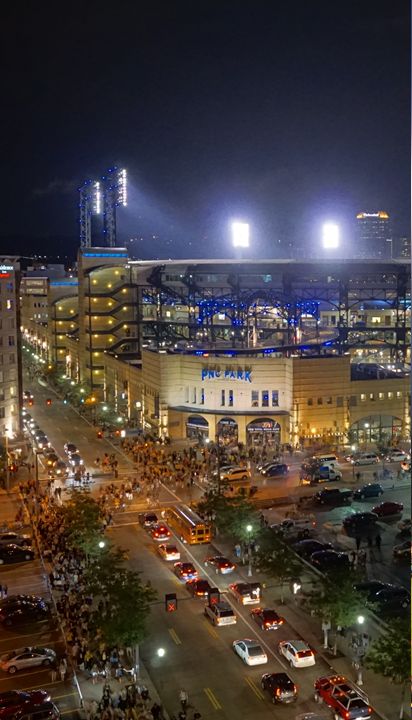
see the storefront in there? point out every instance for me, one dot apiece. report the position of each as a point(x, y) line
point(197, 427)
point(376, 429)
point(263, 433)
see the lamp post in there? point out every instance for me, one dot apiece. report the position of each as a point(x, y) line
point(360, 642)
point(7, 459)
point(249, 530)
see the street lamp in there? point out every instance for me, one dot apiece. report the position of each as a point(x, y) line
point(102, 544)
point(161, 652)
point(360, 642)
point(240, 234)
point(249, 530)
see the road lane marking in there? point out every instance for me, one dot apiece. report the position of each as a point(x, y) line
point(72, 710)
point(19, 637)
point(60, 697)
point(255, 688)
point(211, 630)
point(173, 634)
point(213, 699)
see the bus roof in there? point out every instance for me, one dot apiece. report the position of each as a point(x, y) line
point(187, 514)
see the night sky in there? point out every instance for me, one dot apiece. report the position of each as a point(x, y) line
point(280, 112)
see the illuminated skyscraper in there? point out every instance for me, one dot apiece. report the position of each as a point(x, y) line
point(373, 235)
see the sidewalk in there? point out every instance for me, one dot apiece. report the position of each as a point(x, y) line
point(384, 696)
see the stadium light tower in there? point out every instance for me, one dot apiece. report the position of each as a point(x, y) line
point(89, 204)
point(114, 194)
point(240, 234)
point(330, 236)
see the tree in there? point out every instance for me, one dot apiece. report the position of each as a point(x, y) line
point(276, 559)
point(390, 656)
point(337, 602)
point(82, 520)
point(231, 515)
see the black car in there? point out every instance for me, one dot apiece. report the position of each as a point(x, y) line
point(330, 561)
point(198, 587)
point(384, 596)
point(360, 523)
point(368, 490)
point(276, 470)
point(15, 599)
point(14, 554)
point(280, 687)
point(306, 548)
point(148, 519)
point(12, 538)
point(24, 613)
point(266, 619)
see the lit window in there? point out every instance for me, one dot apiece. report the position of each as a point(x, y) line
point(398, 394)
point(371, 396)
point(390, 395)
point(381, 396)
point(363, 397)
point(265, 398)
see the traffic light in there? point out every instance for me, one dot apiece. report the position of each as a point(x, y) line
point(170, 602)
point(213, 596)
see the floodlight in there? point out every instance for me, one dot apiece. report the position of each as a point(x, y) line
point(330, 237)
point(240, 234)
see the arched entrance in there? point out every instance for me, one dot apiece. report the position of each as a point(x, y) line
point(227, 432)
point(376, 429)
point(263, 432)
point(197, 427)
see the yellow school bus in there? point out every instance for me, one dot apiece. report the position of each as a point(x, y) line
point(188, 525)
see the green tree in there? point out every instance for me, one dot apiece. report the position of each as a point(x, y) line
point(277, 560)
point(125, 599)
point(82, 520)
point(390, 656)
point(231, 515)
point(337, 602)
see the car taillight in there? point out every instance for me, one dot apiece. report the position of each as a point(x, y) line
point(369, 710)
point(347, 714)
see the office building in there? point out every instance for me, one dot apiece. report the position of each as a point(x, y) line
point(10, 350)
point(373, 235)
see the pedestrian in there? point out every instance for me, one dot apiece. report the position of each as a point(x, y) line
point(63, 668)
point(358, 476)
point(353, 559)
point(237, 550)
point(4, 592)
point(53, 673)
point(378, 542)
point(156, 711)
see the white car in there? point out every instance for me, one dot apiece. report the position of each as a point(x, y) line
point(297, 653)
point(397, 456)
point(250, 651)
point(26, 657)
point(169, 552)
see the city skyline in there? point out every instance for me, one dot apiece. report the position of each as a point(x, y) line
point(306, 126)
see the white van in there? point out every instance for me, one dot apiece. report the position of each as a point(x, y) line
point(295, 527)
point(326, 459)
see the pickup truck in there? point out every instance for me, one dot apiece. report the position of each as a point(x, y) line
point(333, 496)
point(344, 698)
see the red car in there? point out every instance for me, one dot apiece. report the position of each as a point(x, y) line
point(160, 532)
point(15, 702)
point(387, 509)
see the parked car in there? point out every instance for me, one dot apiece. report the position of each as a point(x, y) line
point(306, 548)
point(15, 553)
point(384, 596)
point(26, 657)
point(365, 459)
point(24, 613)
point(7, 538)
point(14, 703)
point(397, 456)
point(295, 528)
point(360, 523)
point(368, 490)
point(333, 496)
point(280, 687)
point(330, 561)
point(388, 509)
point(276, 470)
point(402, 551)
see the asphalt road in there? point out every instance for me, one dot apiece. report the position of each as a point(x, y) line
point(198, 656)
